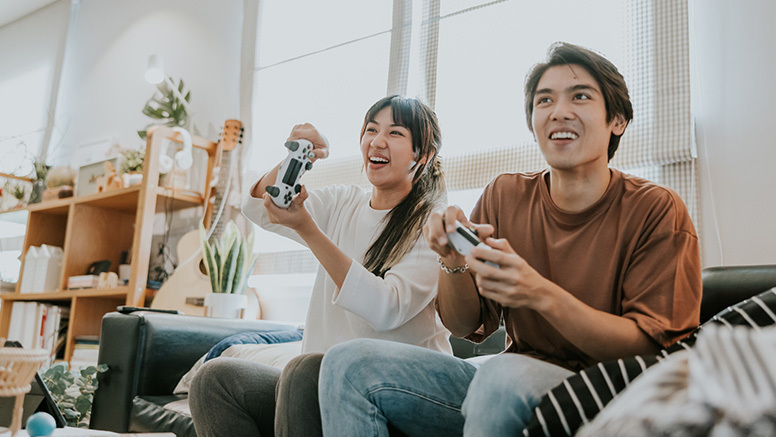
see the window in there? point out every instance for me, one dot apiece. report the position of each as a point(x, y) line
point(468, 59)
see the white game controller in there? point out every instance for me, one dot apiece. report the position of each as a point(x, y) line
point(298, 161)
point(463, 239)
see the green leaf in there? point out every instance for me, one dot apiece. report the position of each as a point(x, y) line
point(210, 261)
point(230, 265)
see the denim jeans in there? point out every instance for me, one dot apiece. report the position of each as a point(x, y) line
point(367, 384)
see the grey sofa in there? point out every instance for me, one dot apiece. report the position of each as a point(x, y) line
point(147, 353)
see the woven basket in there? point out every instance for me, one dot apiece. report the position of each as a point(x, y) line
point(17, 368)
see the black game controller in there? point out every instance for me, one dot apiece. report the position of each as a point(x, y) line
point(298, 161)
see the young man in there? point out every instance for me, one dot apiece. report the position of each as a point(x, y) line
point(593, 264)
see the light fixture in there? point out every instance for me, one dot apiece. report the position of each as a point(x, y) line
point(155, 75)
point(155, 72)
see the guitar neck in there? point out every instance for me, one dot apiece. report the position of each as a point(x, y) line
point(220, 195)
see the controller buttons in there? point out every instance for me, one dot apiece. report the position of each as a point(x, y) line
point(287, 197)
point(308, 166)
point(297, 188)
point(292, 145)
point(273, 190)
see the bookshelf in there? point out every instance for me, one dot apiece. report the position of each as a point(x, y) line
point(99, 227)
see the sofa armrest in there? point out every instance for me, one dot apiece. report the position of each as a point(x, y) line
point(728, 285)
point(147, 354)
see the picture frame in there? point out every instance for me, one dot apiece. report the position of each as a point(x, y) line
point(89, 175)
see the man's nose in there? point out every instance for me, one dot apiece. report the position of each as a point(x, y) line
point(562, 110)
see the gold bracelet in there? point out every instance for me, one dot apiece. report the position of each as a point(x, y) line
point(448, 270)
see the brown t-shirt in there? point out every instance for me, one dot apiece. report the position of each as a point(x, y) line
point(633, 253)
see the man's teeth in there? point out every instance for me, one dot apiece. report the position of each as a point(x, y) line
point(378, 160)
point(564, 136)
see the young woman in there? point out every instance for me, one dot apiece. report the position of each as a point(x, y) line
point(374, 279)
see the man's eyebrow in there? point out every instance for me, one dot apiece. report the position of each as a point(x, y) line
point(578, 87)
point(584, 87)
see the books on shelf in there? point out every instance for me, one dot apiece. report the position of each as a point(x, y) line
point(42, 268)
point(85, 352)
point(39, 326)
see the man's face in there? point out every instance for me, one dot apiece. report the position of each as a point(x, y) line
point(569, 119)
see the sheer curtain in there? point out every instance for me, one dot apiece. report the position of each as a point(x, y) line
point(32, 51)
point(467, 59)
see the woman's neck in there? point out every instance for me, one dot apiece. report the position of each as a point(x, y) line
point(387, 199)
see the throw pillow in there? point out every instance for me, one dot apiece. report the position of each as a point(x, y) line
point(581, 396)
point(274, 348)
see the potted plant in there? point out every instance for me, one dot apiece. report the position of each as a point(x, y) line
point(228, 263)
point(131, 167)
point(39, 184)
point(18, 191)
point(165, 107)
point(73, 392)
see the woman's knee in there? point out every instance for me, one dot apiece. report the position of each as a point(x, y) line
point(300, 375)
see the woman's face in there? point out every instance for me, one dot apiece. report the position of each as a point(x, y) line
point(387, 151)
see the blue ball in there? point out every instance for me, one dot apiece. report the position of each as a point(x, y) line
point(41, 425)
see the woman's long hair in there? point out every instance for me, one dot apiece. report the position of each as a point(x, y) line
point(405, 220)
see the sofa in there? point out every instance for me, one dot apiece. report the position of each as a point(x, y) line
point(147, 353)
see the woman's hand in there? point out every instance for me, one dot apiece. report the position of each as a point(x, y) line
point(295, 216)
point(515, 284)
point(308, 132)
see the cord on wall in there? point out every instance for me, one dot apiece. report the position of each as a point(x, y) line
point(707, 167)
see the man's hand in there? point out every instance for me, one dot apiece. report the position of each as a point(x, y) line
point(515, 284)
point(310, 133)
point(440, 223)
point(295, 216)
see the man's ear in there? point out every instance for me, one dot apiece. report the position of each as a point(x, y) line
point(618, 125)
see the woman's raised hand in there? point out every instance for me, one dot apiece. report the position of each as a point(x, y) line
point(308, 132)
point(295, 216)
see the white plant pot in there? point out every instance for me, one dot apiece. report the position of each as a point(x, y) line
point(225, 305)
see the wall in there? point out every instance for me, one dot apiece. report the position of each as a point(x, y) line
point(734, 66)
point(103, 85)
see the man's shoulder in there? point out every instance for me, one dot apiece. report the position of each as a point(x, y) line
point(656, 201)
point(646, 190)
point(510, 181)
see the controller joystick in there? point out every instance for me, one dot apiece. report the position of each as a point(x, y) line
point(463, 239)
point(297, 162)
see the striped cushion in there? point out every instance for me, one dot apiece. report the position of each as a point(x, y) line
point(580, 397)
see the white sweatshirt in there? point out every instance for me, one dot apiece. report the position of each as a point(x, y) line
point(399, 307)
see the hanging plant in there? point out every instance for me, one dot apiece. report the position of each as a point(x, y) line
point(166, 108)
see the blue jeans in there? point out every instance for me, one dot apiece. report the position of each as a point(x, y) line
point(367, 384)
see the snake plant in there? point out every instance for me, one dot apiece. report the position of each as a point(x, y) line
point(228, 261)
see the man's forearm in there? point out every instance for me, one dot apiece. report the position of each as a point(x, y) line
point(600, 335)
point(458, 303)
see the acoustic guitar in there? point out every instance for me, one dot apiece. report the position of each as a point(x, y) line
point(185, 289)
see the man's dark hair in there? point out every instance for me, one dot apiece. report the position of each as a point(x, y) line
point(607, 76)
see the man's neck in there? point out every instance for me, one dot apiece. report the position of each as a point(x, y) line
point(576, 191)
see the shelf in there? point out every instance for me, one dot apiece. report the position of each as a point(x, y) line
point(176, 199)
point(103, 226)
point(67, 294)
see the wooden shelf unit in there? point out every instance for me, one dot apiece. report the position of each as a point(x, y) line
point(100, 226)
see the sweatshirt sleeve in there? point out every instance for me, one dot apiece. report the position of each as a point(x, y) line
point(318, 204)
point(387, 303)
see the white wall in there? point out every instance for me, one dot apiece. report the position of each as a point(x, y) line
point(104, 91)
point(734, 100)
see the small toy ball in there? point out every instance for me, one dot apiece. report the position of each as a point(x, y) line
point(40, 425)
